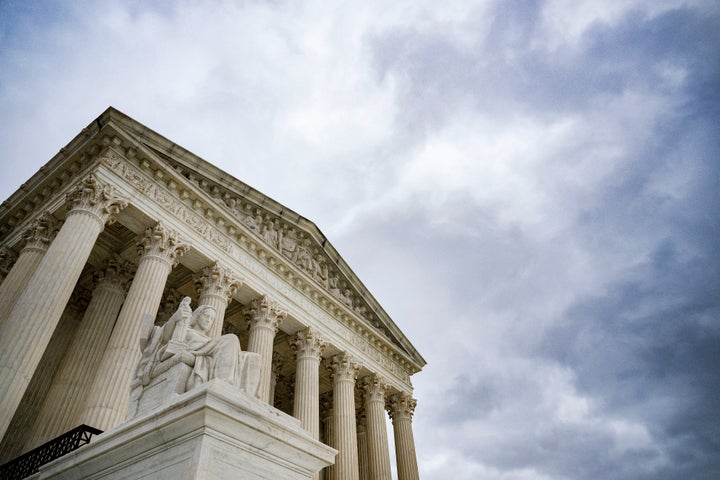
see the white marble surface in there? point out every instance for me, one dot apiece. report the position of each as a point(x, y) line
point(212, 432)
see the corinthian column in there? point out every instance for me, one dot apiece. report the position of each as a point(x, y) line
point(343, 370)
point(216, 286)
point(37, 238)
point(264, 318)
point(65, 401)
point(401, 410)
point(308, 346)
point(278, 362)
point(17, 433)
point(326, 409)
point(107, 402)
point(375, 388)
point(362, 445)
point(37, 311)
point(7, 260)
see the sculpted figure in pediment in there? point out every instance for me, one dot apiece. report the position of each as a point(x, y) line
point(321, 271)
point(289, 243)
point(271, 234)
point(303, 258)
point(333, 285)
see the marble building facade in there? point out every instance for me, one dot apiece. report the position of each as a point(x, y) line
point(122, 224)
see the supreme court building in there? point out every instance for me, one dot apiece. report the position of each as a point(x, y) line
point(122, 224)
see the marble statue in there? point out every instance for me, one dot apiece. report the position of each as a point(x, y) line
point(180, 354)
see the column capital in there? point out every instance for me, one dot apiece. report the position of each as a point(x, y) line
point(361, 417)
point(264, 312)
point(401, 406)
point(343, 367)
point(171, 298)
point(41, 232)
point(374, 388)
point(307, 343)
point(218, 281)
point(163, 243)
point(326, 404)
point(96, 198)
point(80, 298)
point(278, 362)
point(7, 259)
point(116, 273)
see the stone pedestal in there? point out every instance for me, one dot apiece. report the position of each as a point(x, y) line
point(212, 432)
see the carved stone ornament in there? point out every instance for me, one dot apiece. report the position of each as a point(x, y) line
point(217, 281)
point(41, 232)
point(116, 273)
point(278, 361)
point(326, 405)
point(97, 198)
point(263, 312)
point(375, 388)
point(171, 300)
point(361, 420)
point(401, 406)
point(80, 298)
point(307, 343)
point(180, 356)
point(343, 367)
point(7, 259)
point(163, 243)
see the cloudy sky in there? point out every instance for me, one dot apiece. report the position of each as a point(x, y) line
point(529, 188)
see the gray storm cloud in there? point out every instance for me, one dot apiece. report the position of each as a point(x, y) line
point(529, 188)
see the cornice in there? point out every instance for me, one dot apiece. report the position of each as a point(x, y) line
point(46, 189)
point(160, 183)
point(205, 189)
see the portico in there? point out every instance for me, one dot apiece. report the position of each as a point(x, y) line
point(132, 222)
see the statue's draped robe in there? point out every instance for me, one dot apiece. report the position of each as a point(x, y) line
point(220, 358)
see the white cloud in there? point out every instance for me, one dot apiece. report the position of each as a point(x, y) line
point(472, 230)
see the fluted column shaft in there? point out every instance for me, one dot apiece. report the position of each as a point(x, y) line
point(15, 440)
point(308, 348)
point(264, 318)
point(277, 363)
point(216, 285)
point(7, 260)
point(37, 240)
point(343, 370)
point(65, 401)
point(38, 309)
point(328, 473)
point(374, 388)
point(107, 402)
point(363, 446)
point(402, 407)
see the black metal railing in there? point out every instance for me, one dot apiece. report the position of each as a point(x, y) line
point(30, 462)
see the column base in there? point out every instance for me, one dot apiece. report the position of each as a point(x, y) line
point(213, 432)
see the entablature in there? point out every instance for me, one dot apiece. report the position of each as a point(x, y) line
point(210, 232)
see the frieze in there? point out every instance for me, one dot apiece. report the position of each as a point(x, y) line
point(290, 242)
point(158, 194)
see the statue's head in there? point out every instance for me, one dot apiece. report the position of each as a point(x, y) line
point(203, 318)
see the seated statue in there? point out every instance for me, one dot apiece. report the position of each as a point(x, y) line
point(180, 355)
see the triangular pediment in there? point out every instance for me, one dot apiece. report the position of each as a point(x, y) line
point(274, 230)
